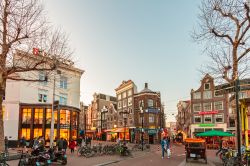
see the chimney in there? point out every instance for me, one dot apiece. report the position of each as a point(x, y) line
point(146, 85)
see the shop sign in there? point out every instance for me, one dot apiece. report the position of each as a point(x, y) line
point(207, 125)
point(152, 131)
point(64, 126)
point(208, 112)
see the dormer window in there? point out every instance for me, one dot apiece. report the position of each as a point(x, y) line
point(207, 86)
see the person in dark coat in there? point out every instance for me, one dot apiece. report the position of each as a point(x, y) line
point(65, 144)
point(6, 143)
point(59, 144)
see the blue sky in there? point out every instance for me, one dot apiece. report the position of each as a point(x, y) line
point(143, 40)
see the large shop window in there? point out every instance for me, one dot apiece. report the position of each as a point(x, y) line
point(38, 118)
point(65, 117)
point(26, 117)
point(197, 119)
point(64, 133)
point(47, 134)
point(26, 133)
point(74, 119)
point(38, 132)
point(219, 118)
point(74, 134)
point(48, 116)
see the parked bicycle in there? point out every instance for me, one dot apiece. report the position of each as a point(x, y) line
point(3, 159)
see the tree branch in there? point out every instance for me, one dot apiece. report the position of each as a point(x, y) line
point(222, 35)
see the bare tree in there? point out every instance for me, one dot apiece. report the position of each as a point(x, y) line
point(24, 26)
point(224, 28)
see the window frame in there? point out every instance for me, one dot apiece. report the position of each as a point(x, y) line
point(209, 87)
point(215, 117)
point(63, 82)
point(204, 104)
point(195, 95)
point(222, 105)
point(205, 94)
point(210, 116)
point(199, 117)
point(196, 104)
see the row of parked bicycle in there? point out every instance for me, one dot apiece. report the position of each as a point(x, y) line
point(229, 157)
point(99, 149)
point(39, 156)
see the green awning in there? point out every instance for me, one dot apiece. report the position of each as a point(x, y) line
point(212, 133)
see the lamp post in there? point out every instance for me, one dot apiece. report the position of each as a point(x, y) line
point(142, 119)
point(52, 111)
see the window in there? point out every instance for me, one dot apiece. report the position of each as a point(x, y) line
point(215, 95)
point(207, 95)
point(207, 86)
point(43, 78)
point(124, 95)
point(26, 133)
point(207, 118)
point(207, 107)
point(119, 97)
point(26, 117)
point(63, 82)
point(38, 117)
point(151, 118)
point(125, 103)
point(218, 105)
point(130, 92)
point(197, 107)
point(141, 103)
point(197, 119)
point(130, 110)
point(150, 103)
point(130, 101)
point(48, 116)
point(197, 95)
point(65, 118)
point(242, 95)
point(63, 99)
point(140, 120)
point(38, 132)
point(219, 118)
point(42, 95)
point(119, 104)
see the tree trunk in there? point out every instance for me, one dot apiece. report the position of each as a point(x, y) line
point(2, 90)
point(235, 64)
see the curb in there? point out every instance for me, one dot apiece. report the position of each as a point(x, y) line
point(107, 163)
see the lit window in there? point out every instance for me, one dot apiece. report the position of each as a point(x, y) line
point(218, 105)
point(26, 117)
point(63, 82)
point(207, 107)
point(38, 117)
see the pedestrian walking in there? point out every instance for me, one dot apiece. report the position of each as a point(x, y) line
point(163, 143)
point(72, 146)
point(59, 144)
point(167, 147)
point(220, 147)
point(6, 143)
point(23, 143)
point(65, 145)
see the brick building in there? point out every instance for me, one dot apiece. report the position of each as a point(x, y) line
point(208, 110)
point(152, 115)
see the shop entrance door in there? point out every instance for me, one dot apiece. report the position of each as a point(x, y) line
point(151, 139)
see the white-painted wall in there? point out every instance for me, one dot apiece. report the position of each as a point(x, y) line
point(27, 92)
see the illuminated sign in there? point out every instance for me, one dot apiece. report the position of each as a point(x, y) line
point(206, 125)
point(208, 112)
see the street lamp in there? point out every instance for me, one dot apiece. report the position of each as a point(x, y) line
point(142, 117)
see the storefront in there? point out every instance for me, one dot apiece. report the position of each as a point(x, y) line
point(150, 136)
point(35, 121)
point(113, 134)
point(203, 127)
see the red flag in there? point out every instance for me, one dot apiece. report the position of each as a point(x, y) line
point(35, 51)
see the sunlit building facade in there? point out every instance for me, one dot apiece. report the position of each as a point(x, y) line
point(28, 105)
